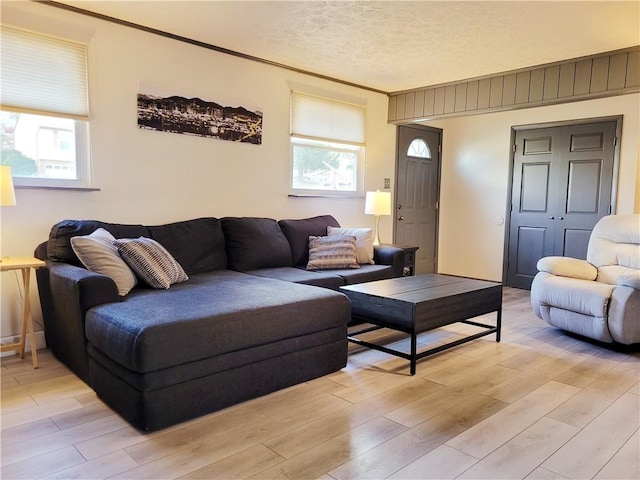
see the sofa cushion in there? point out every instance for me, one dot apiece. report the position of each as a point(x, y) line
point(155, 329)
point(321, 278)
point(255, 243)
point(364, 241)
point(151, 262)
point(59, 245)
point(299, 231)
point(97, 253)
point(198, 245)
point(366, 273)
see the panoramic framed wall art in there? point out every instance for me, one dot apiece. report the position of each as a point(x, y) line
point(166, 112)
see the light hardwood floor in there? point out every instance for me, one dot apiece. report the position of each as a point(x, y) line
point(541, 404)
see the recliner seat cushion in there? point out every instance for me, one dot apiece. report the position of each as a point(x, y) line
point(581, 296)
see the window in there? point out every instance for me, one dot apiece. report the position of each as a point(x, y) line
point(44, 117)
point(327, 146)
point(418, 148)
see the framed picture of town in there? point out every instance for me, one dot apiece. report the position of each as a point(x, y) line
point(185, 115)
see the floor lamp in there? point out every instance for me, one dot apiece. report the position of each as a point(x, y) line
point(377, 203)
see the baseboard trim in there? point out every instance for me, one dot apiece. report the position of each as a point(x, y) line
point(40, 343)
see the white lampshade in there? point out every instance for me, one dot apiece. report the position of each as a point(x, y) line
point(7, 194)
point(378, 203)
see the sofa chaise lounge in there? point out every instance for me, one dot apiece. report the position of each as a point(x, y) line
point(250, 319)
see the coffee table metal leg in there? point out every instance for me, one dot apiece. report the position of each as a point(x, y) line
point(414, 352)
point(499, 324)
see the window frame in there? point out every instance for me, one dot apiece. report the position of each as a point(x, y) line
point(329, 144)
point(84, 178)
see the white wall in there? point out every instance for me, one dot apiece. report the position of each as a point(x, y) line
point(475, 175)
point(155, 177)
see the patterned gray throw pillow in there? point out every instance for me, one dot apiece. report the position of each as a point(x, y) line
point(151, 262)
point(332, 252)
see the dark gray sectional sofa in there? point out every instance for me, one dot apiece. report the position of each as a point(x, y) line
point(249, 321)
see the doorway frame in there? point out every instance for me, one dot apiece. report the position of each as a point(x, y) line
point(561, 123)
point(440, 132)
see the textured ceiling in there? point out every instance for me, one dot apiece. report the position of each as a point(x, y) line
point(394, 45)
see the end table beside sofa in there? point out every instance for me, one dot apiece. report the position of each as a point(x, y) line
point(250, 319)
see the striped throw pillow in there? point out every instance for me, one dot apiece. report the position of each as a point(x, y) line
point(331, 252)
point(151, 262)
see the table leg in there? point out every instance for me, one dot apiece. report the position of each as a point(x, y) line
point(27, 319)
point(499, 324)
point(414, 352)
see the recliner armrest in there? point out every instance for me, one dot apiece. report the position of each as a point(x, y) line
point(568, 267)
point(388, 255)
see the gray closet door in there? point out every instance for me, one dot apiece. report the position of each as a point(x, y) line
point(562, 184)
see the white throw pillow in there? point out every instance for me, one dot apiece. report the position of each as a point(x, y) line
point(151, 262)
point(98, 254)
point(364, 241)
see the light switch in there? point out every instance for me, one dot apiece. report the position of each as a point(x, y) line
point(387, 183)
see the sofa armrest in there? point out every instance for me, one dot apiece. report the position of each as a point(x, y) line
point(81, 287)
point(388, 255)
point(66, 293)
point(568, 267)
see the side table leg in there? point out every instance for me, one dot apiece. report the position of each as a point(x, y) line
point(27, 319)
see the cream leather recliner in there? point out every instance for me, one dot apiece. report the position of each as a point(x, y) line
point(598, 297)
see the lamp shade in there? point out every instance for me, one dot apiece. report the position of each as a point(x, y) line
point(378, 203)
point(7, 194)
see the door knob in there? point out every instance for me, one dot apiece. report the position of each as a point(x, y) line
point(560, 218)
point(551, 218)
point(400, 218)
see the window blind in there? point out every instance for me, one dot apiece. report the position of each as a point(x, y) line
point(326, 119)
point(43, 75)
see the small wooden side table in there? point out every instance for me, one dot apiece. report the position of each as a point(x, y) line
point(24, 264)
point(409, 258)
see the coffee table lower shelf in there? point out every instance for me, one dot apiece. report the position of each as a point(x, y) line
point(414, 355)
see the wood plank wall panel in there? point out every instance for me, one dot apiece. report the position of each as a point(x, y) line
point(599, 74)
point(509, 90)
point(522, 87)
point(566, 80)
point(633, 70)
point(612, 73)
point(551, 80)
point(495, 97)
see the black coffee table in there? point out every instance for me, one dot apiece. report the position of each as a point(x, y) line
point(416, 304)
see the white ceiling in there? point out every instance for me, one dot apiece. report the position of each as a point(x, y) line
point(394, 45)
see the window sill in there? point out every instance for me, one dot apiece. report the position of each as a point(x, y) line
point(324, 195)
point(50, 187)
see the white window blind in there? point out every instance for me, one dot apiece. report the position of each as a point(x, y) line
point(43, 75)
point(326, 119)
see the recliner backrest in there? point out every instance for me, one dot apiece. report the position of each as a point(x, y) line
point(614, 249)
